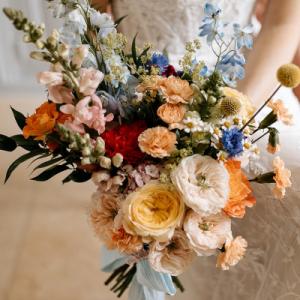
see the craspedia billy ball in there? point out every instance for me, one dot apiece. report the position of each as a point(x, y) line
point(289, 75)
point(230, 106)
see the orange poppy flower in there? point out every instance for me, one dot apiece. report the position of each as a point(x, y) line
point(240, 195)
point(42, 122)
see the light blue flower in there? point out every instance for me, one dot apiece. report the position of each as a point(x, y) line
point(243, 37)
point(211, 26)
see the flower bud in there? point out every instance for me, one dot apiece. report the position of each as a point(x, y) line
point(26, 38)
point(40, 44)
point(100, 145)
point(105, 162)
point(273, 142)
point(37, 55)
point(63, 51)
point(85, 161)
point(117, 160)
point(86, 151)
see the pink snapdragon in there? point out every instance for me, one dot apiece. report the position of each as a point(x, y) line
point(60, 94)
point(89, 81)
point(50, 78)
point(88, 111)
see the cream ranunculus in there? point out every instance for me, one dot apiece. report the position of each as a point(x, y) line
point(207, 234)
point(172, 257)
point(153, 211)
point(203, 183)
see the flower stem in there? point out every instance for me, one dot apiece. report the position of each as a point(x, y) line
point(261, 108)
point(178, 283)
point(256, 140)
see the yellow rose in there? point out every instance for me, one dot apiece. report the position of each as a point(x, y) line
point(247, 108)
point(153, 211)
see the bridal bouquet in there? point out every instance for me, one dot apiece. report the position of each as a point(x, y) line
point(168, 148)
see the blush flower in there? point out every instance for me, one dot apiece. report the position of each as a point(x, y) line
point(88, 111)
point(176, 90)
point(171, 113)
point(282, 178)
point(104, 210)
point(171, 257)
point(240, 192)
point(150, 84)
point(123, 139)
point(281, 112)
point(42, 122)
point(60, 94)
point(50, 78)
point(203, 183)
point(89, 81)
point(158, 142)
point(153, 211)
point(207, 234)
point(234, 251)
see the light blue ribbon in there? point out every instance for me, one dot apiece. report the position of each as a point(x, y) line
point(147, 284)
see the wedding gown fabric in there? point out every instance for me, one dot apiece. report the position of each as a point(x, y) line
point(271, 268)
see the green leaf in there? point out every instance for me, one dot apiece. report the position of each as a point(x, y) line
point(48, 163)
point(133, 50)
point(118, 21)
point(49, 173)
point(20, 160)
point(7, 144)
point(78, 176)
point(20, 118)
point(27, 144)
point(39, 157)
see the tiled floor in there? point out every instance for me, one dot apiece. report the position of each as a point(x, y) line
point(47, 248)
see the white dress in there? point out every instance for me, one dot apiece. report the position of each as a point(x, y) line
point(271, 268)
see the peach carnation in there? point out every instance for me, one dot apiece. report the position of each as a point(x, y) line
point(171, 257)
point(171, 113)
point(124, 241)
point(281, 112)
point(150, 84)
point(234, 252)
point(282, 178)
point(273, 149)
point(176, 90)
point(157, 142)
point(240, 193)
point(105, 208)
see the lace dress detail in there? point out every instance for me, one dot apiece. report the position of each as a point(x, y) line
point(169, 24)
point(271, 268)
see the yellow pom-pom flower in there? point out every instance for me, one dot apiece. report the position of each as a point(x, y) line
point(230, 106)
point(289, 75)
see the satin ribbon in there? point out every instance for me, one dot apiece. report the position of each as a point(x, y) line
point(147, 283)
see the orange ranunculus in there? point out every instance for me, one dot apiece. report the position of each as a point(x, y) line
point(240, 195)
point(42, 122)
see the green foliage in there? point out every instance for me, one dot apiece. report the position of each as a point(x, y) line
point(78, 176)
point(20, 118)
point(50, 172)
point(7, 143)
point(20, 160)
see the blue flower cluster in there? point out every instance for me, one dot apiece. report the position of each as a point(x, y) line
point(232, 141)
point(227, 47)
point(159, 60)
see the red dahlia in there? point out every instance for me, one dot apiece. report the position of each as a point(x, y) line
point(124, 139)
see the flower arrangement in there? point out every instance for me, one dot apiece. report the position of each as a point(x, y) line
point(167, 149)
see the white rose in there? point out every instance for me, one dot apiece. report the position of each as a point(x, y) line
point(206, 234)
point(203, 183)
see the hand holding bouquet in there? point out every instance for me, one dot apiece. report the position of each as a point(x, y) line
point(168, 149)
